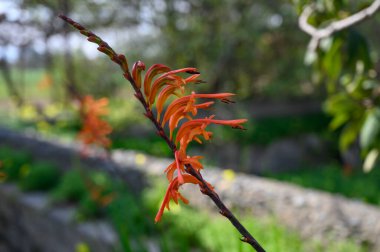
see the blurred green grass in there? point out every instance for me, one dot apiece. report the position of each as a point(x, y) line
point(30, 79)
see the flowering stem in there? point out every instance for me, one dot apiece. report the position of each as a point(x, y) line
point(204, 187)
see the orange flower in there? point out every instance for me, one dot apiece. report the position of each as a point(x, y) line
point(166, 92)
point(181, 159)
point(94, 129)
point(189, 130)
point(172, 193)
point(151, 73)
point(92, 107)
point(182, 107)
point(160, 83)
point(188, 103)
point(169, 81)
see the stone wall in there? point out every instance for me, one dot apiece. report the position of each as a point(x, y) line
point(312, 213)
point(29, 224)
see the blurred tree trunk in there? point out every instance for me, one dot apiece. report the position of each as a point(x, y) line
point(70, 82)
point(22, 84)
point(10, 83)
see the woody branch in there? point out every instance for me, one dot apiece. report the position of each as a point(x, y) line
point(319, 33)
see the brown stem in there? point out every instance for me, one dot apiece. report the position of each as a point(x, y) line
point(204, 187)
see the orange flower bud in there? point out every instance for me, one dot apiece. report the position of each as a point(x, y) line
point(137, 68)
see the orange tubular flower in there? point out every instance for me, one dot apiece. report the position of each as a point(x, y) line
point(172, 193)
point(198, 126)
point(160, 83)
point(175, 83)
point(178, 165)
point(170, 79)
point(94, 129)
point(188, 102)
point(183, 113)
point(151, 73)
point(136, 72)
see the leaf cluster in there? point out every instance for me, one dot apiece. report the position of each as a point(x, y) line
point(346, 64)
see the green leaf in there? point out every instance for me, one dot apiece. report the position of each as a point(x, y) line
point(358, 50)
point(338, 121)
point(370, 160)
point(370, 129)
point(82, 247)
point(338, 104)
point(332, 61)
point(348, 135)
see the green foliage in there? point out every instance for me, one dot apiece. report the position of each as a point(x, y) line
point(267, 130)
point(86, 190)
point(13, 163)
point(130, 219)
point(88, 208)
point(98, 186)
point(53, 118)
point(39, 176)
point(331, 178)
point(71, 187)
point(345, 63)
point(371, 129)
point(150, 144)
point(332, 62)
point(124, 113)
point(33, 76)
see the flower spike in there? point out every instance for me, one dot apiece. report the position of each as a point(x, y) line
point(160, 82)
